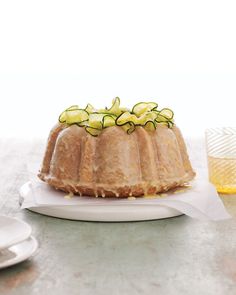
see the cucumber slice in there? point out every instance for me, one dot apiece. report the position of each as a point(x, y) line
point(143, 114)
point(73, 108)
point(96, 120)
point(62, 117)
point(83, 123)
point(150, 126)
point(144, 118)
point(161, 119)
point(143, 107)
point(93, 131)
point(170, 124)
point(169, 114)
point(115, 108)
point(124, 110)
point(129, 127)
point(125, 118)
point(76, 116)
point(108, 121)
point(153, 115)
point(89, 108)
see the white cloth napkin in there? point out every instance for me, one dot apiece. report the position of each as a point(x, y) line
point(201, 201)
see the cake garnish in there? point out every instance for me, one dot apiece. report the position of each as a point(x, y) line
point(145, 114)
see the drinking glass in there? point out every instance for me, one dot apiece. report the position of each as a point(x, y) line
point(221, 156)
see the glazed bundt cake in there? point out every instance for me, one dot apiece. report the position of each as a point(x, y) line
point(116, 152)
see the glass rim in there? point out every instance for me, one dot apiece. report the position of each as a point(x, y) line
point(226, 130)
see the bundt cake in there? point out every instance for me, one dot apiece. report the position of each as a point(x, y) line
point(116, 152)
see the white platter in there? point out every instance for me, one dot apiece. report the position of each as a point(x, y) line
point(12, 231)
point(18, 253)
point(108, 213)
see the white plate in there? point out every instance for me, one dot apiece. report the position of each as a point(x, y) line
point(18, 252)
point(114, 212)
point(12, 231)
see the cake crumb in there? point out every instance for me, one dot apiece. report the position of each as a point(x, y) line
point(179, 191)
point(150, 196)
point(69, 196)
point(187, 185)
point(131, 198)
point(182, 189)
point(163, 195)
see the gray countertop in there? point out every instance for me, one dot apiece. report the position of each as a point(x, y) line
point(171, 256)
